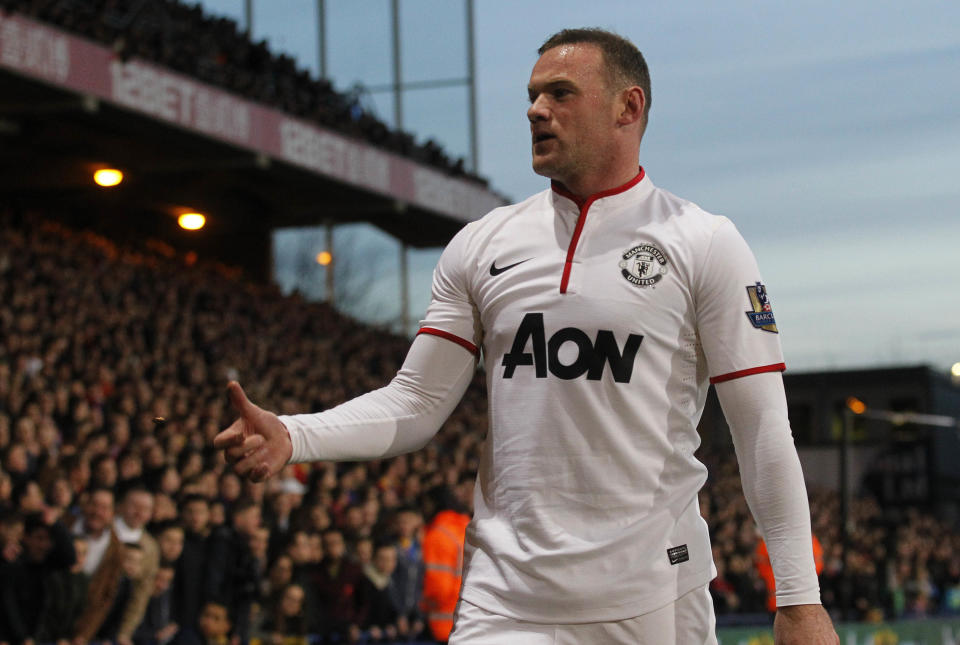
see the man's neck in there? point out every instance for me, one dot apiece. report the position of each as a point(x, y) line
point(594, 183)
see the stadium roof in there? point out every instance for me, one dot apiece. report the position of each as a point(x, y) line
point(68, 106)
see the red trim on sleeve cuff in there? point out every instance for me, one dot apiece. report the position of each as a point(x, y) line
point(466, 344)
point(729, 376)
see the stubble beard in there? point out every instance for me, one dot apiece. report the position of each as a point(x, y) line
point(556, 167)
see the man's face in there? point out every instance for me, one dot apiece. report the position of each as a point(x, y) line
point(333, 545)
point(137, 509)
point(37, 543)
point(196, 516)
point(292, 600)
point(572, 113)
point(162, 580)
point(132, 562)
point(247, 521)
point(385, 560)
point(171, 543)
point(214, 621)
point(98, 513)
point(407, 524)
point(299, 548)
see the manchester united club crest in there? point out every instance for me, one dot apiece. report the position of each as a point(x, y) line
point(643, 265)
point(762, 315)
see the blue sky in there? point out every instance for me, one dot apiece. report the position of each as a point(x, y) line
point(829, 132)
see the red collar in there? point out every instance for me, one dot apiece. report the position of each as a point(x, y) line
point(562, 190)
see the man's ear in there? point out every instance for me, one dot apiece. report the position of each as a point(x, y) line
point(632, 104)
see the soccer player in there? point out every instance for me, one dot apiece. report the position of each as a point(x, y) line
point(604, 307)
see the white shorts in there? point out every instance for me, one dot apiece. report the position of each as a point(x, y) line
point(689, 620)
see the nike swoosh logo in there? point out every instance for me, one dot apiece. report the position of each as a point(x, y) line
point(494, 270)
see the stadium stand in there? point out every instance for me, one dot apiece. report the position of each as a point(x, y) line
point(166, 32)
point(113, 363)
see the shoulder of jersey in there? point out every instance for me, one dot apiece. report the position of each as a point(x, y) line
point(495, 218)
point(690, 213)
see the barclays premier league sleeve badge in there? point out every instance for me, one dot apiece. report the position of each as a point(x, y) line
point(762, 315)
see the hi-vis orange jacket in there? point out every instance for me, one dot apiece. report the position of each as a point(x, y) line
point(443, 568)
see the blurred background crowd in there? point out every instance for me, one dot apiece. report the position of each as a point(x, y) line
point(166, 33)
point(118, 522)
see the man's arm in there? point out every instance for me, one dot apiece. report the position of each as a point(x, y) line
point(756, 409)
point(400, 417)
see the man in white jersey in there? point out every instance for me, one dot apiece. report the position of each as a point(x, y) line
point(604, 307)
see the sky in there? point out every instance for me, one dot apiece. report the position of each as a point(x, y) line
point(829, 132)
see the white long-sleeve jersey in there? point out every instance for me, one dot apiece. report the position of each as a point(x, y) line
point(602, 323)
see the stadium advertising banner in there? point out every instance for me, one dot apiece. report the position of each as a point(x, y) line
point(44, 53)
point(908, 632)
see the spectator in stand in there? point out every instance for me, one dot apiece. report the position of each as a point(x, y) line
point(725, 599)
point(11, 534)
point(104, 472)
point(16, 463)
point(136, 509)
point(131, 573)
point(214, 626)
point(159, 626)
point(26, 582)
point(382, 598)
point(104, 562)
point(280, 574)
point(6, 492)
point(333, 588)
point(231, 574)
point(170, 541)
point(286, 621)
point(362, 551)
point(259, 541)
point(189, 579)
point(408, 576)
point(65, 594)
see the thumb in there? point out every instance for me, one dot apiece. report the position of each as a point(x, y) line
point(239, 400)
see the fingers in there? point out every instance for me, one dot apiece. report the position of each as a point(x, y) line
point(255, 465)
point(238, 398)
point(232, 436)
point(246, 447)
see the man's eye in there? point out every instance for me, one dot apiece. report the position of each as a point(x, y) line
point(561, 93)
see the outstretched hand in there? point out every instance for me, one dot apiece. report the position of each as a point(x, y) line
point(257, 444)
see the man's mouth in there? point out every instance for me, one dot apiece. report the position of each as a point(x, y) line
point(538, 138)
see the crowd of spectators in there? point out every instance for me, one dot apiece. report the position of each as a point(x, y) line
point(214, 50)
point(119, 522)
point(900, 563)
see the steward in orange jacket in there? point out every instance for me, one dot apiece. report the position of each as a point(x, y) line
point(443, 568)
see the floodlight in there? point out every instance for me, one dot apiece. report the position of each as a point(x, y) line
point(192, 221)
point(107, 177)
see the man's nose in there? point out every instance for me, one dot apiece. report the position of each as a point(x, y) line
point(538, 110)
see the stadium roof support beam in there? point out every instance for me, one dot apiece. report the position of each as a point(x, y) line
point(398, 86)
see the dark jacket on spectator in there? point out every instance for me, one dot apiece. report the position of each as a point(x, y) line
point(231, 576)
point(66, 596)
point(336, 590)
point(25, 584)
point(159, 614)
point(188, 581)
